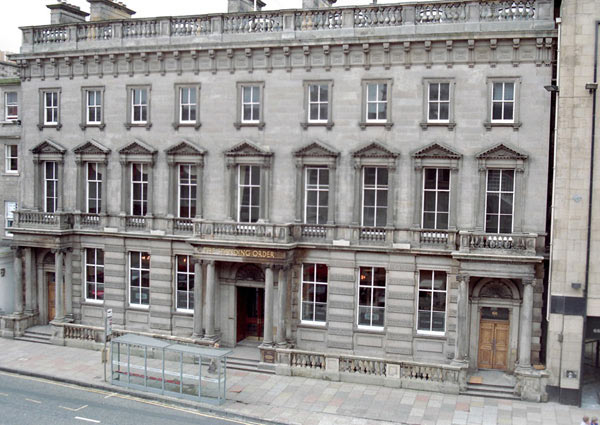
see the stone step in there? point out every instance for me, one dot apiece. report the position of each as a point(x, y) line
point(34, 339)
point(249, 365)
point(491, 387)
point(38, 334)
point(491, 394)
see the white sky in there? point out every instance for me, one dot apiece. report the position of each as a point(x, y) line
point(34, 12)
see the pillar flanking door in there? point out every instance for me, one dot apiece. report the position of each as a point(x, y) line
point(51, 285)
point(493, 339)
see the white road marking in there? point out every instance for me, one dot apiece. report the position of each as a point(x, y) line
point(74, 410)
point(4, 394)
point(87, 419)
point(111, 395)
point(33, 401)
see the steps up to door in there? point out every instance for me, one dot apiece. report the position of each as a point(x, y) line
point(36, 335)
point(249, 365)
point(507, 392)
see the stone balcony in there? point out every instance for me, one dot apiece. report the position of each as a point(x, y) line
point(293, 25)
point(462, 242)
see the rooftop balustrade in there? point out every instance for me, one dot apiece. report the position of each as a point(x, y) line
point(293, 24)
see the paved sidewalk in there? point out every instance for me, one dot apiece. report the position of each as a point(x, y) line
point(302, 401)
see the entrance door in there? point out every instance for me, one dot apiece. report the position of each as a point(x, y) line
point(493, 339)
point(250, 313)
point(51, 296)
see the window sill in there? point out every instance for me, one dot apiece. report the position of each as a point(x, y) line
point(328, 124)
point(372, 330)
point(313, 325)
point(139, 307)
point(11, 174)
point(260, 125)
point(147, 125)
point(57, 127)
point(93, 303)
point(489, 124)
point(432, 336)
point(195, 125)
point(449, 125)
point(184, 313)
point(11, 122)
point(364, 124)
point(86, 126)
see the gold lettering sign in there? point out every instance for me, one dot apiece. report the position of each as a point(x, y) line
point(243, 252)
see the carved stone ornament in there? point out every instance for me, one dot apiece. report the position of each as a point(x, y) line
point(91, 147)
point(48, 147)
point(248, 148)
point(374, 150)
point(317, 149)
point(435, 150)
point(184, 148)
point(137, 147)
point(501, 151)
point(496, 289)
point(250, 272)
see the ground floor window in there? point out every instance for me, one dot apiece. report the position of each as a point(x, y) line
point(314, 293)
point(371, 297)
point(139, 278)
point(432, 302)
point(185, 283)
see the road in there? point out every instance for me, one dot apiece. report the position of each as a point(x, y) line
point(32, 401)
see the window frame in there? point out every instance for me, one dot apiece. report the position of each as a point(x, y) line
point(313, 283)
point(376, 189)
point(437, 191)
point(9, 217)
point(317, 189)
point(432, 290)
point(191, 199)
point(364, 120)
point(306, 120)
point(250, 185)
point(500, 192)
point(190, 277)
point(240, 122)
point(98, 182)
point(43, 123)
point(55, 183)
point(140, 269)
point(144, 184)
point(8, 159)
point(7, 105)
point(131, 89)
point(371, 306)
point(177, 121)
point(515, 123)
point(95, 266)
point(426, 122)
point(85, 123)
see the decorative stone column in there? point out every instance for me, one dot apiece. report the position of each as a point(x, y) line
point(125, 182)
point(198, 310)
point(282, 298)
point(59, 297)
point(231, 186)
point(300, 184)
point(80, 183)
point(526, 324)
point(150, 208)
point(268, 322)
point(391, 197)
point(69, 282)
point(357, 198)
point(200, 189)
point(18, 266)
point(210, 300)
point(479, 218)
point(173, 188)
point(35, 283)
point(28, 281)
point(59, 187)
point(418, 209)
point(331, 210)
point(461, 353)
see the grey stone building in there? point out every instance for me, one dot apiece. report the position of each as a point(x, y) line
point(360, 189)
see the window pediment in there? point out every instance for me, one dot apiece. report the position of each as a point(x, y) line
point(248, 148)
point(137, 151)
point(184, 151)
point(437, 151)
point(48, 147)
point(374, 150)
point(92, 151)
point(317, 149)
point(501, 151)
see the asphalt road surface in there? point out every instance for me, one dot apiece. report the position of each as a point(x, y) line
point(32, 401)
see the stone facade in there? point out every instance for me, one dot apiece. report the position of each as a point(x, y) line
point(270, 60)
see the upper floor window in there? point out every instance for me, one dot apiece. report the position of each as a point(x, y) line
point(187, 105)
point(432, 302)
point(139, 279)
point(376, 103)
point(318, 103)
point(51, 108)
point(436, 198)
point(139, 189)
point(250, 105)
point(248, 193)
point(314, 293)
point(94, 275)
point(503, 101)
point(187, 190)
point(138, 107)
point(11, 159)
point(50, 186)
point(94, 106)
point(316, 195)
point(94, 188)
point(185, 283)
point(371, 297)
point(499, 206)
point(9, 216)
point(438, 102)
point(11, 106)
point(375, 196)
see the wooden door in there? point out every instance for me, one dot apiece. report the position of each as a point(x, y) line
point(493, 344)
point(51, 296)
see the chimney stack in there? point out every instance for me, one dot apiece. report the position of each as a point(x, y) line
point(65, 13)
point(317, 4)
point(244, 5)
point(104, 10)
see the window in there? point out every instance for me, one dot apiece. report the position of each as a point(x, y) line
point(377, 104)
point(94, 188)
point(499, 201)
point(11, 106)
point(248, 193)
point(94, 107)
point(51, 108)
point(432, 302)
point(50, 186)
point(318, 103)
point(187, 105)
point(314, 293)
point(316, 195)
point(371, 297)
point(139, 278)
point(436, 198)
point(11, 159)
point(94, 275)
point(375, 196)
point(250, 105)
point(139, 106)
point(503, 101)
point(187, 191)
point(9, 216)
point(139, 189)
point(439, 102)
point(185, 283)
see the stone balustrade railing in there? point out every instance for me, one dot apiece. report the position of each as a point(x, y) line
point(441, 239)
point(266, 24)
point(25, 219)
point(259, 232)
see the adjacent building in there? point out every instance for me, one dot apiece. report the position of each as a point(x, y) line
point(360, 189)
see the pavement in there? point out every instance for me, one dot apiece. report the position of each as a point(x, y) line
point(300, 401)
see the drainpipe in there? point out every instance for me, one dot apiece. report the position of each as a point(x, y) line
point(592, 88)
